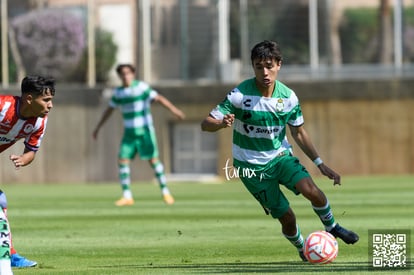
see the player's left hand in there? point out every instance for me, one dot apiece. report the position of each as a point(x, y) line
point(331, 174)
point(17, 161)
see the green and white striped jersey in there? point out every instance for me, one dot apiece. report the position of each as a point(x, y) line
point(135, 105)
point(259, 129)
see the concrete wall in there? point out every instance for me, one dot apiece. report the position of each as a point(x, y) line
point(359, 127)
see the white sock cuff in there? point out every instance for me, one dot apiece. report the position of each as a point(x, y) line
point(321, 208)
point(294, 236)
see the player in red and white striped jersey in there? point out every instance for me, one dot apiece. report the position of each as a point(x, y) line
point(22, 117)
point(14, 127)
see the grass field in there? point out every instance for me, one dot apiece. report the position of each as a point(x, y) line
point(212, 228)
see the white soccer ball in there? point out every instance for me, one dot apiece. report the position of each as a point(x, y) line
point(320, 248)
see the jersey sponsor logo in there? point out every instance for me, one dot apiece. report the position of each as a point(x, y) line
point(259, 130)
point(267, 131)
point(5, 140)
point(248, 128)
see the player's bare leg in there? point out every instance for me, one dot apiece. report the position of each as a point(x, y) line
point(322, 208)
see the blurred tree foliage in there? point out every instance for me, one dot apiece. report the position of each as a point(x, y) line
point(52, 41)
point(287, 24)
point(47, 42)
point(292, 33)
point(408, 35)
point(358, 32)
point(266, 22)
point(359, 35)
point(105, 58)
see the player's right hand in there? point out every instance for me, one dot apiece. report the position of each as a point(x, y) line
point(331, 174)
point(228, 120)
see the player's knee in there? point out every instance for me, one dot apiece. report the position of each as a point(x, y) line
point(309, 189)
point(315, 193)
point(123, 161)
point(154, 161)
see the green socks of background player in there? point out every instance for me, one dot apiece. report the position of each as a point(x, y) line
point(159, 174)
point(326, 216)
point(125, 179)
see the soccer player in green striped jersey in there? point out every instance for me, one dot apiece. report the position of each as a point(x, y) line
point(259, 109)
point(134, 99)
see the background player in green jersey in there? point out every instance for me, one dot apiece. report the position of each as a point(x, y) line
point(259, 110)
point(134, 99)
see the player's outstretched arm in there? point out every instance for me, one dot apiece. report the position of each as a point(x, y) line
point(167, 104)
point(305, 143)
point(106, 114)
point(22, 160)
point(210, 124)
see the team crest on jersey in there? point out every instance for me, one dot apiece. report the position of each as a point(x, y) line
point(280, 105)
point(28, 128)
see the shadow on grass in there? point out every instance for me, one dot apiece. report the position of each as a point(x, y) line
point(240, 268)
point(275, 267)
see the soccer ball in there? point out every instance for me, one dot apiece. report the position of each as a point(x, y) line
point(320, 248)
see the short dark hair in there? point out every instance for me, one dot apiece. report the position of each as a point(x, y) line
point(121, 66)
point(38, 85)
point(266, 50)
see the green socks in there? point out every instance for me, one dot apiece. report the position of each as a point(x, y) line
point(297, 240)
point(326, 216)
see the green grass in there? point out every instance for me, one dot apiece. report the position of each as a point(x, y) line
point(212, 228)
